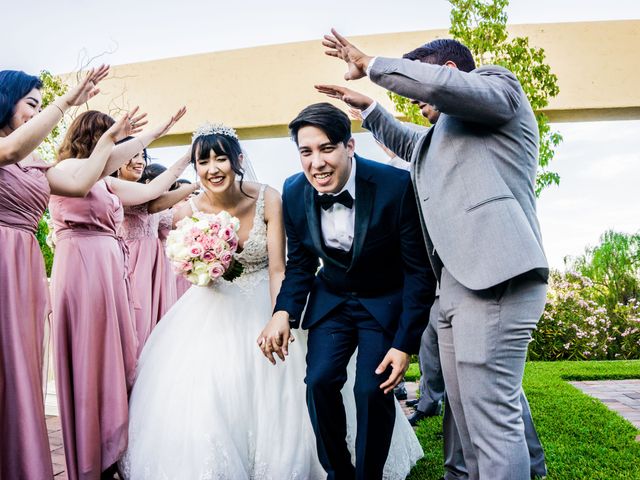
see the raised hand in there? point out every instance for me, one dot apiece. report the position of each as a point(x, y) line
point(87, 88)
point(127, 125)
point(350, 97)
point(164, 128)
point(399, 362)
point(340, 47)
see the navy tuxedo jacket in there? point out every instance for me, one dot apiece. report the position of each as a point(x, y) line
point(389, 271)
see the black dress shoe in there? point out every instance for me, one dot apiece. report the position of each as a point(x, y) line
point(416, 417)
point(400, 392)
point(419, 415)
point(412, 403)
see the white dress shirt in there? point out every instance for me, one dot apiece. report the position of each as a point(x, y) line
point(338, 222)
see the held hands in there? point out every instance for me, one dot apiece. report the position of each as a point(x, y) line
point(399, 362)
point(127, 125)
point(275, 337)
point(350, 97)
point(164, 128)
point(340, 47)
point(86, 89)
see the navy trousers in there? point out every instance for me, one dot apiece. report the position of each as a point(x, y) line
point(331, 344)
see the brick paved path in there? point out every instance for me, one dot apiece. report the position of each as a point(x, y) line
point(57, 451)
point(622, 396)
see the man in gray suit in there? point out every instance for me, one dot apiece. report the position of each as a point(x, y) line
point(474, 174)
point(432, 387)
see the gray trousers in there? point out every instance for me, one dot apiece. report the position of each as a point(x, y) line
point(483, 338)
point(431, 379)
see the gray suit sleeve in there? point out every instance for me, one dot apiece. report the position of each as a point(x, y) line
point(488, 95)
point(398, 137)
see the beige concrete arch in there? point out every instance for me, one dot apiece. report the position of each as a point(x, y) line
point(259, 90)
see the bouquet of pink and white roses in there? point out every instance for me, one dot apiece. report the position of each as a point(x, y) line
point(201, 247)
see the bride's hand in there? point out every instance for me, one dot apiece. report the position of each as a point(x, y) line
point(275, 337)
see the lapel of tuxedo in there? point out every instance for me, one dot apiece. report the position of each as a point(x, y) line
point(365, 194)
point(313, 223)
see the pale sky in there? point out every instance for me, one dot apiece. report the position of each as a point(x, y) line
point(599, 162)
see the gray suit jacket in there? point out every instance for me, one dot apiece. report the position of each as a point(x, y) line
point(473, 171)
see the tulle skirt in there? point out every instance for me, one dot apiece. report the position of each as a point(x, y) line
point(207, 405)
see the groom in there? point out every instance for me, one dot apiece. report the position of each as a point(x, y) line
point(373, 292)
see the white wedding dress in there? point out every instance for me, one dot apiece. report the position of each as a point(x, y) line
point(207, 404)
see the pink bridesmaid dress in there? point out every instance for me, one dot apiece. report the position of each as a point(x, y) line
point(93, 330)
point(140, 232)
point(169, 291)
point(24, 307)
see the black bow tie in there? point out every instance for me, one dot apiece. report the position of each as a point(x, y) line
point(327, 201)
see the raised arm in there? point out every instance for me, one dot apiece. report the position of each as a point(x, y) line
point(489, 95)
point(25, 139)
point(393, 134)
point(75, 176)
point(133, 193)
point(170, 198)
point(125, 151)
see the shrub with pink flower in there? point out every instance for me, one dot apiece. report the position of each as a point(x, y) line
point(575, 326)
point(201, 247)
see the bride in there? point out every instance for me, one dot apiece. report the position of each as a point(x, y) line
point(205, 404)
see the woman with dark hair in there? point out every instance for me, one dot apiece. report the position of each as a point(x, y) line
point(26, 182)
point(152, 290)
point(95, 341)
point(188, 373)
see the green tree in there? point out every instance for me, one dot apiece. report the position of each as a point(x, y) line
point(482, 26)
point(52, 87)
point(614, 268)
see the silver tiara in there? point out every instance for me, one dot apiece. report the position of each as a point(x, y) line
point(214, 128)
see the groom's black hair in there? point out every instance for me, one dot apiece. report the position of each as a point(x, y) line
point(331, 120)
point(442, 50)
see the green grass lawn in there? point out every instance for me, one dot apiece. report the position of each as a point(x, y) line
point(583, 439)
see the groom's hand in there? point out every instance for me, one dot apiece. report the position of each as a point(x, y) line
point(275, 337)
point(399, 362)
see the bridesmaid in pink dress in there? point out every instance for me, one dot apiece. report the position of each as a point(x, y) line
point(152, 294)
point(95, 340)
point(26, 182)
point(179, 192)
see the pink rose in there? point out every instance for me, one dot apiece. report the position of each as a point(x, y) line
point(226, 258)
point(195, 233)
point(220, 247)
point(208, 242)
point(216, 270)
point(180, 267)
point(233, 243)
point(214, 228)
point(227, 233)
point(196, 250)
point(208, 256)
